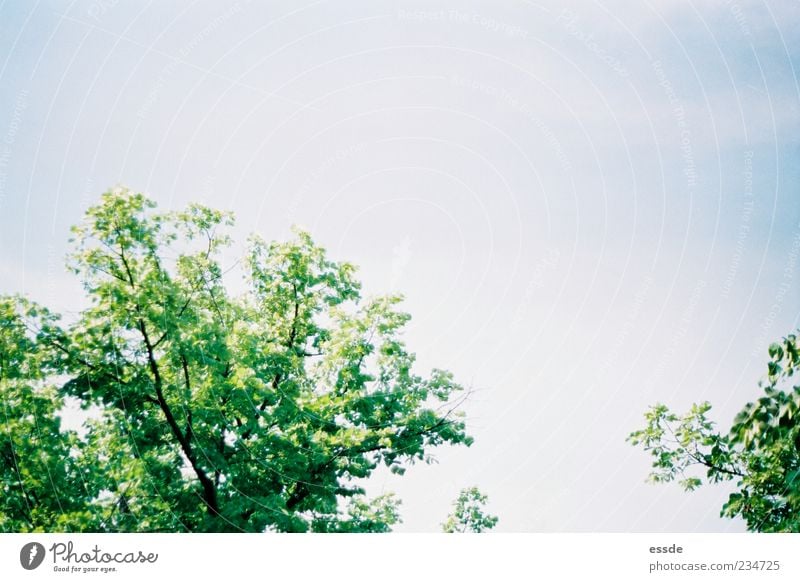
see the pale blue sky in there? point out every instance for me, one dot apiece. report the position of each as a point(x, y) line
point(589, 206)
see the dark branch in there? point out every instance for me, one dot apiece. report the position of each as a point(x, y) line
point(209, 491)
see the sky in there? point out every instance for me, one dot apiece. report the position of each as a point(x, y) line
point(589, 206)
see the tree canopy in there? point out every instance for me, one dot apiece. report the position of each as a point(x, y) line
point(469, 514)
point(760, 452)
point(210, 410)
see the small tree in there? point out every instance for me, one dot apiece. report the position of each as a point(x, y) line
point(760, 452)
point(217, 412)
point(469, 513)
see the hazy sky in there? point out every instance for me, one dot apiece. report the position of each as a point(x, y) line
point(589, 206)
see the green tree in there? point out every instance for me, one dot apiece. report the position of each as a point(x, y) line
point(213, 411)
point(40, 480)
point(760, 452)
point(469, 514)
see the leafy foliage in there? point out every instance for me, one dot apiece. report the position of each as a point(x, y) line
point(216, 412)
point(761, 451)
point(469, 514)
point(40, 480)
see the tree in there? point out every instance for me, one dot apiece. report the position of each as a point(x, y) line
point(469, 514)
point(760, 452)
point(40, 480)
point(212, 411)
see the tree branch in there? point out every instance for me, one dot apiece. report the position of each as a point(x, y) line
point(209, 490)
point(301, 490)
point(700, 459)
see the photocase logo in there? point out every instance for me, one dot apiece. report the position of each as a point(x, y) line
point(31, 555)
